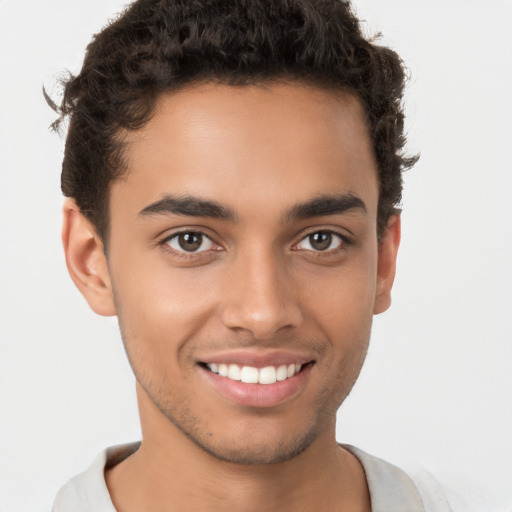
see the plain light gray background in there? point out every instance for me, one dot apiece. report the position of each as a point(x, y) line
point(437, 386)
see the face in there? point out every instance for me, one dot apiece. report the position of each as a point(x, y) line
point(244, 264)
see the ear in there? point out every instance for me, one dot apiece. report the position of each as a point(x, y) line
point(86, 261)
point(386, 265)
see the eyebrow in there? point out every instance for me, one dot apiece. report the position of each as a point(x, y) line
point(326, 205)
point(191, 206)
point(188, 206)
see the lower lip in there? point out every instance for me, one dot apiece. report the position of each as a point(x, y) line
point(257, 395)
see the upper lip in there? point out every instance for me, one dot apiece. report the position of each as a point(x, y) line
point(257, 359)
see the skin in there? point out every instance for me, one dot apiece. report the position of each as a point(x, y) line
point(258, 283)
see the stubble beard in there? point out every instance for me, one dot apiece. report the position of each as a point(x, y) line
point(247, 453)
point(179, 415)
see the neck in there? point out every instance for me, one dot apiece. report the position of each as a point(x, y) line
point(170, 473)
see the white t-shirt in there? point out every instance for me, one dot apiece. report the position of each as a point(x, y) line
point(391, 489)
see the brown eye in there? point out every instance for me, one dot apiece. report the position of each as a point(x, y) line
point(320, 241)
point(190, 241)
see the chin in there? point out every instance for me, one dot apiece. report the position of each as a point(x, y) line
point(248, 452)
point(254, 440)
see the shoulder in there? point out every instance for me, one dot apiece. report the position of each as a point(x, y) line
point(87, 492)
point(391, 488)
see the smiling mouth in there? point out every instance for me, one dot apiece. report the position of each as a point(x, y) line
point(253, 375)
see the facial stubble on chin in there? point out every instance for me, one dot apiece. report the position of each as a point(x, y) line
point(190, 425)
point(246, 453)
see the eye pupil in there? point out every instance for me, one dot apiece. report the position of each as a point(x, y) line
point(190, 241)
point(321, 240)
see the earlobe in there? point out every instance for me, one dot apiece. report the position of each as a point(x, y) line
point(86, 261)
point(386, 265)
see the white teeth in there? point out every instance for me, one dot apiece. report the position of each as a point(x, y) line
point(282, 373)
point(223, 370)
point(267, 375)
point(234, 372)
point(249, 375)
point(252, 375)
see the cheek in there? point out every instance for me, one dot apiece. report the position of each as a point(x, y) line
point(342, 299)
point(343, 313)
point(160, 308)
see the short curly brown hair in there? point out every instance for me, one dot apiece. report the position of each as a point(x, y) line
point(158, 46)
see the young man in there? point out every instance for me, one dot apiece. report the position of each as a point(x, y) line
point(233, 170)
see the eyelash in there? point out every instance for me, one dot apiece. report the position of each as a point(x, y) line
point(344, 242)
point(184, 254)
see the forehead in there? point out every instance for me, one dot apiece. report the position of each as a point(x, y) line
point(250, 146)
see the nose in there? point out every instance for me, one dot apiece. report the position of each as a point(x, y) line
point(261, 298)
